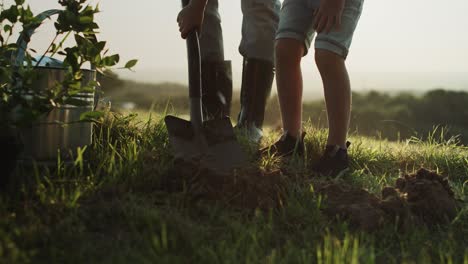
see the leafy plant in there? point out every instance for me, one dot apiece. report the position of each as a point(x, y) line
point(20, 102)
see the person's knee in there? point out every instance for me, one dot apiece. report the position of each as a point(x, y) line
point(327, 60)
point(288, 51)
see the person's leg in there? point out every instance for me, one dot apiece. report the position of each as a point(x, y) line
point(259, 25)
point(336, 85)
point(331, 52)
point(211, 37)
point(330, 55)
point(337, 90)
point(293, 40)
point(216, 72)
point(289, 53)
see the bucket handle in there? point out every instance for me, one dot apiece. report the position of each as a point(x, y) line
point(25, 37)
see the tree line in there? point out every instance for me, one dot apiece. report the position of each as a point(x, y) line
point(376, 114)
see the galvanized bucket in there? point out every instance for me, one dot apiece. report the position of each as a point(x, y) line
point(60, 132)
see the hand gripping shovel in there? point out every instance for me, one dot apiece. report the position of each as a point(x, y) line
point(212, 142)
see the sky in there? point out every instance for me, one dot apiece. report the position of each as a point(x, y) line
point(400, 44)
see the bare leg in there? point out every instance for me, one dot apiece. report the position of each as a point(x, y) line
point(289, 53)
point(337, 91)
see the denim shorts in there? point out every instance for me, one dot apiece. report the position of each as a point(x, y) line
point(296, 22)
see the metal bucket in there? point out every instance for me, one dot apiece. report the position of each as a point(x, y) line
point(60, 132)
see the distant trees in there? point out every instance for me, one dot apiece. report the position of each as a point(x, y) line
point(374, 113)
point(404, 115)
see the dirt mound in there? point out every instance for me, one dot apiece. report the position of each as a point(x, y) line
point(424, 197)
point(248, 188)
point(357, 206)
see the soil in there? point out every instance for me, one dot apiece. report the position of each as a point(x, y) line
point(357, 206)
point(247, 188)
point(420, 198)
point(426, 195)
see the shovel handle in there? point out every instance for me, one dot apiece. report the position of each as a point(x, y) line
point(194, 74)
point(194, 61)
point(194, 65)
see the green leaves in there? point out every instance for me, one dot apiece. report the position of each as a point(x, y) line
point(7, 28)
point(77, 19)
point(130, 64)
point(11, 14)
point(110, 61)
point(91, 115)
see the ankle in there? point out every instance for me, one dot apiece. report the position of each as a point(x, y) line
point(341, 145)
point(297, 134)
point(338, 147)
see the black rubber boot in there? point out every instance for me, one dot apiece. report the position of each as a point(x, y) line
point(216, 89)
point(257, 79)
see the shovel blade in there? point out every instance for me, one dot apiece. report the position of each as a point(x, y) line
point(182, 138)
point(217, 148)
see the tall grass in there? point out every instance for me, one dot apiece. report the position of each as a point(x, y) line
point(112, 205)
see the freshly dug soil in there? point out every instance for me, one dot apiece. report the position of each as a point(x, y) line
point(248, 188)
point(359, 207)
point(420, 198)
point(427, 196)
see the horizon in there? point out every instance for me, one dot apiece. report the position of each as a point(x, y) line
point(426, 52)
point(388, 82)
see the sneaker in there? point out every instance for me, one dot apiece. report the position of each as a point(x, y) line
point(334, 161)
point(286, 146)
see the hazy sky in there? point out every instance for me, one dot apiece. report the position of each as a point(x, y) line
point(426, 36)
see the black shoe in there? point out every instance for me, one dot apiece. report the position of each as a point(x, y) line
point(257, 79)
point(334, 161)
point(286, 146)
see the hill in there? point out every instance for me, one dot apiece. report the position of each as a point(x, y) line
point(120, 201)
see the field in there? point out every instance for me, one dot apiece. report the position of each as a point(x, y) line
point(384, 114)
point(119, 203)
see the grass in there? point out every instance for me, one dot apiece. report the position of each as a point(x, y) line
point(111, 206)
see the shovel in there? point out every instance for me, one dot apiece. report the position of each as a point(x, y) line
point(211, 142)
